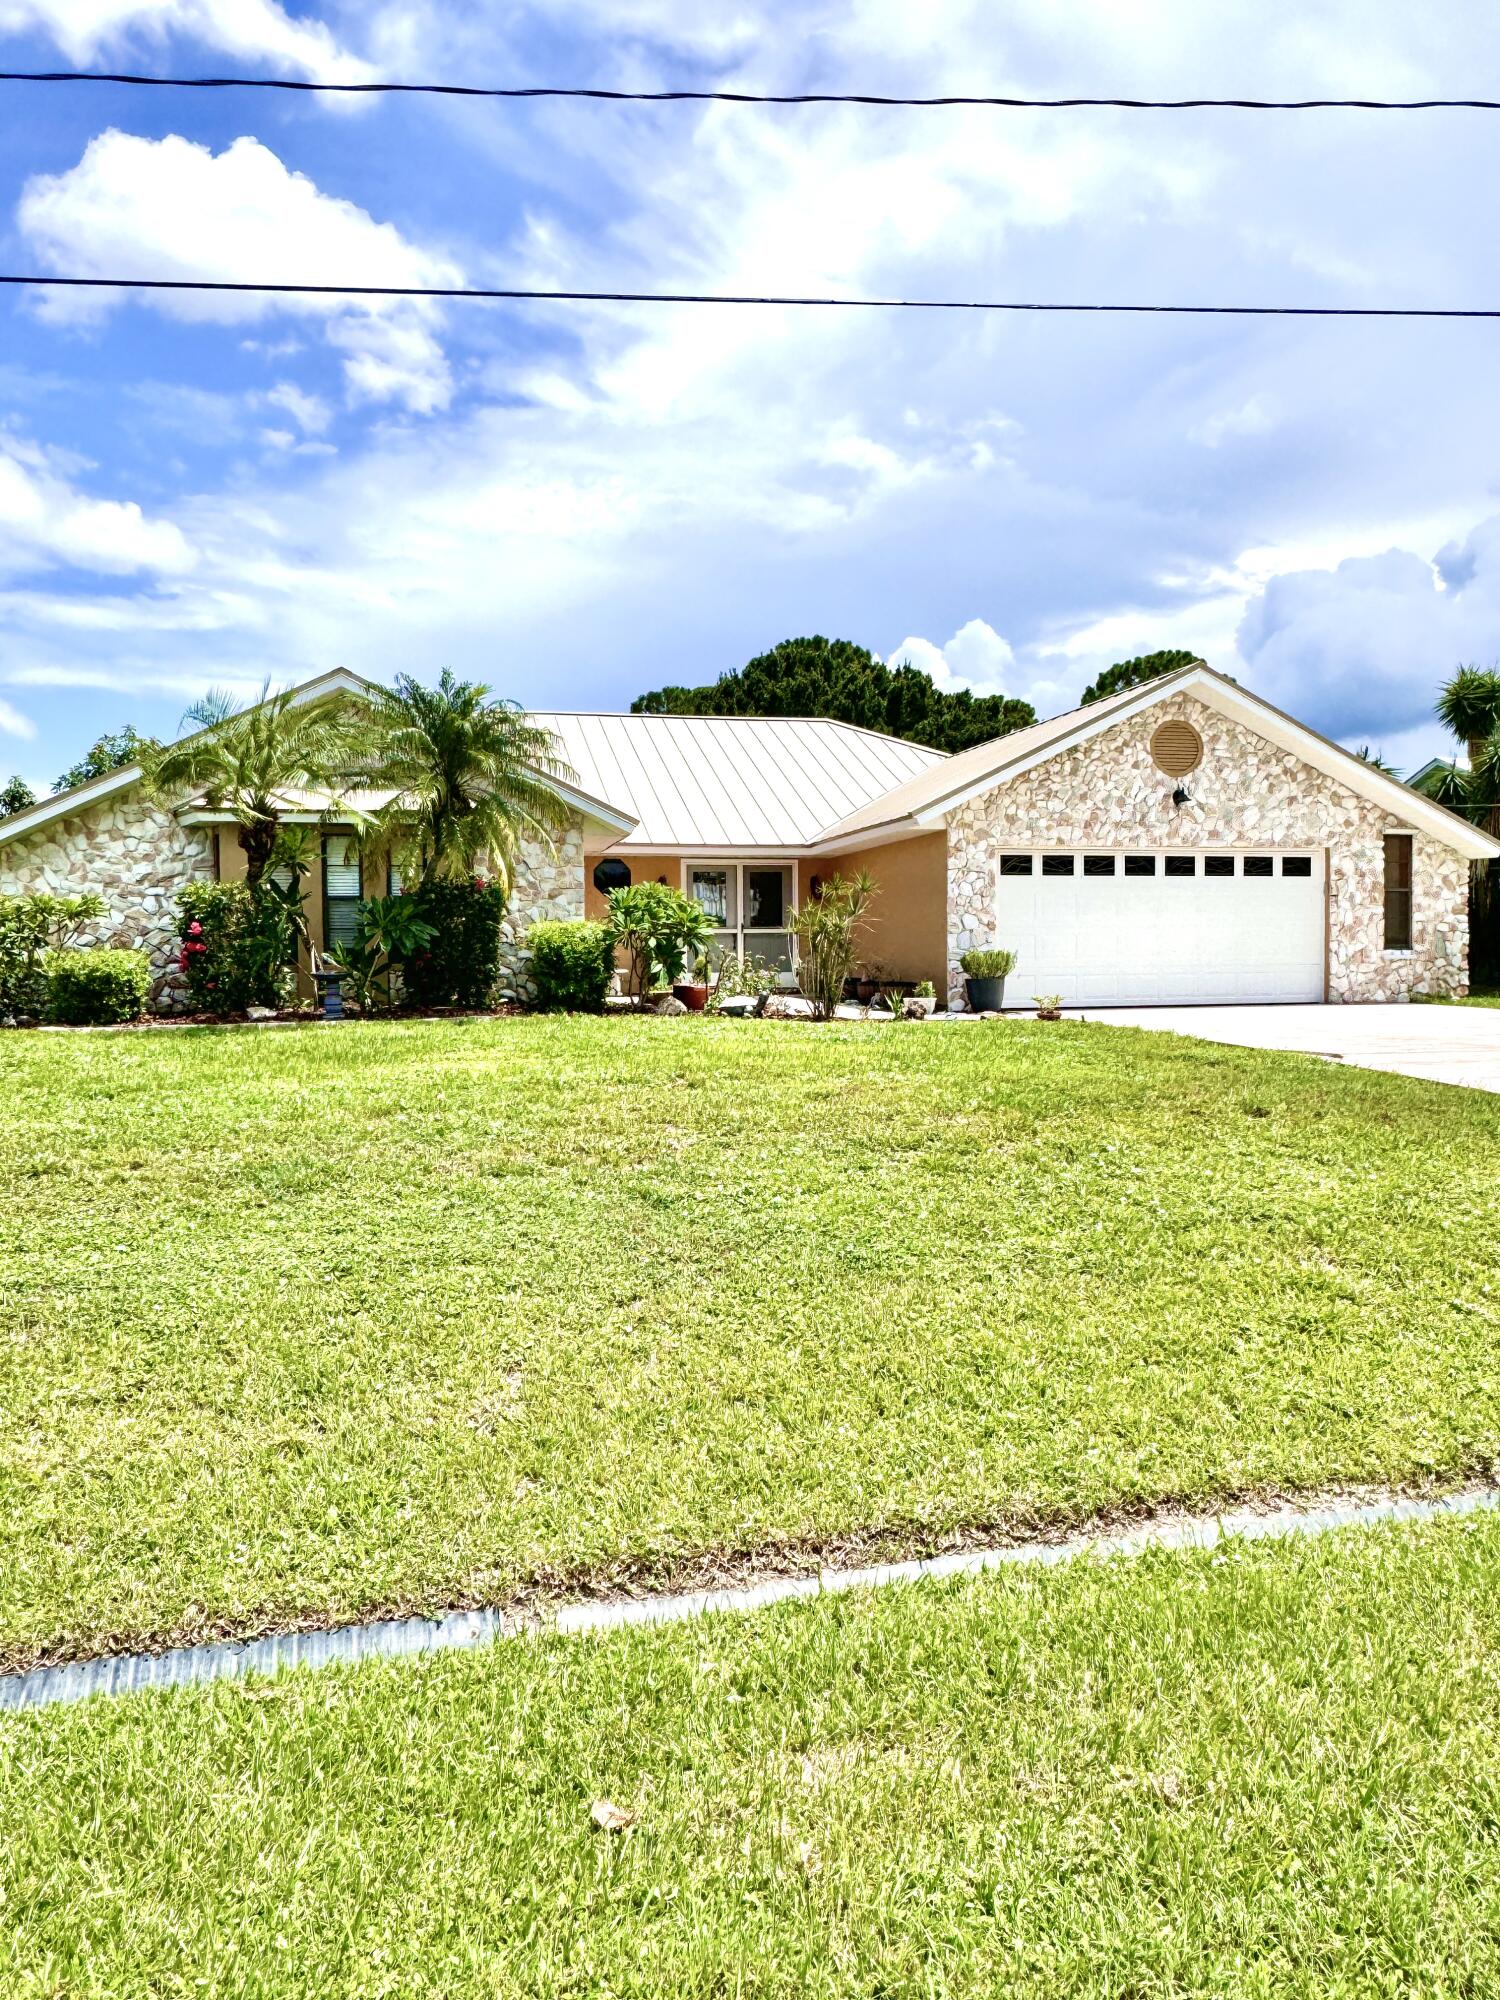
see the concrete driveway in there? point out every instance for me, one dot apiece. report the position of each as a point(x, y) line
point(1445, 1044)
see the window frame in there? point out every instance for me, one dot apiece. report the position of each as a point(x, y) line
point(348, 834)
point(1397, 907)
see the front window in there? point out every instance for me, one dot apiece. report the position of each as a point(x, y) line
point(343, 888)
point(1398, 892)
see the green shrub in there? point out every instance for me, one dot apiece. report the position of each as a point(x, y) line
point(663, 932)
point(98, 988)
point(572, 965)
point(239, 947)
point(459, 965)
point(991, 964)
point(30, 927)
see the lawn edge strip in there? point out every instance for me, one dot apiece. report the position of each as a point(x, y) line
point(395, 1638)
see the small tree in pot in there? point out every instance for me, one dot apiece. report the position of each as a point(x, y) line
point(985, 973)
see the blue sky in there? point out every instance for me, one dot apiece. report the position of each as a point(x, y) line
point(576, 504)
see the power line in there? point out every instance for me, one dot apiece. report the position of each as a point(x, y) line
point(523, 293)
point(521, 91)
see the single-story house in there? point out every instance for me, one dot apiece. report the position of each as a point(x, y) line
point(1181, 841)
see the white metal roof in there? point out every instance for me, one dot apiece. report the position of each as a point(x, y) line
point(718, 782)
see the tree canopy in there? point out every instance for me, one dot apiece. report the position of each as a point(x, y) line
point(472, 777)
point(847, 683)
point(15, 797)
point(1133, 673)
point(110, 753)
point(246, 759)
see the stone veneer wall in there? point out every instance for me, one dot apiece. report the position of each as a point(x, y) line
point(1109, 793)
point(548, 884)
point(127, 850)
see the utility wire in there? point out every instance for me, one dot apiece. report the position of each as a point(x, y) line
point(743, 299)
point(755, 96)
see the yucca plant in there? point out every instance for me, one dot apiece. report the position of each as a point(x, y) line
point(471, 777)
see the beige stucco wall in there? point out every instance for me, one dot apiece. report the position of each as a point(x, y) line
point(1108, 792)
point(127, 850)
point(643, 868)
point(905, 934)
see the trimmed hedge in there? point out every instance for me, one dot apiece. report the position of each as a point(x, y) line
point(461, 964)
point(572, 964)
point(98, 988)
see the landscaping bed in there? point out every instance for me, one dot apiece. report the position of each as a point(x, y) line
point(301, 1326)
point(1269, 1770)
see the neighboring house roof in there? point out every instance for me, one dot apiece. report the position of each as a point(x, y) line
point(1433, 764)
point(926, 800)
point(720, 783)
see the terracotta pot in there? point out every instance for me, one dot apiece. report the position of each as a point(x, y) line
point(694, 998)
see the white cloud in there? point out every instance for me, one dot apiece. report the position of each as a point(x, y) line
point(170, 208)
point(311, 413)
point(1359, 649)
point(976, 658)
point(13, 723)
point(45, 521)
point(1256, 414)
point(256, 29)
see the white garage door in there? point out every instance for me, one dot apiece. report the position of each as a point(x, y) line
point(1163, 928)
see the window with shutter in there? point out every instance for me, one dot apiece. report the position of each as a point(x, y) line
point(343, 888)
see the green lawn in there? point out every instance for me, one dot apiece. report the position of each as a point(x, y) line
point(1269, 1773)
point(296, 1324)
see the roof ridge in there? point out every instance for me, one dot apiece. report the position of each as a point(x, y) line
point(832, 722)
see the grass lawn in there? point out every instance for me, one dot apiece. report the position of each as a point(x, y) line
point(1269, 1773)
point(297, 1324)
point(1484, 996)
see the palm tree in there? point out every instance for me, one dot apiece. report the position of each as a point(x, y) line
point(471, 776)
point(245, 759)
point(1375, 761)
point(1469, 705)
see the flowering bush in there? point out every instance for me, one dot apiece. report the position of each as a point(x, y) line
point(239, 949)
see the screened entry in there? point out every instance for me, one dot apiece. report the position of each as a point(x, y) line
point(749, 902)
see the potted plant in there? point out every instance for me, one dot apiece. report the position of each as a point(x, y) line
point(1048, 1006)
point(984, 978)
point(920, 1002)
point(693, 993)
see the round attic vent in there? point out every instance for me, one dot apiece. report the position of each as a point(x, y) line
point(1177, 748)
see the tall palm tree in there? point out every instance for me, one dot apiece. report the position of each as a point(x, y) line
point(471, 776)
point(1376, 762)
point(246, 758)
point(1469, 705)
